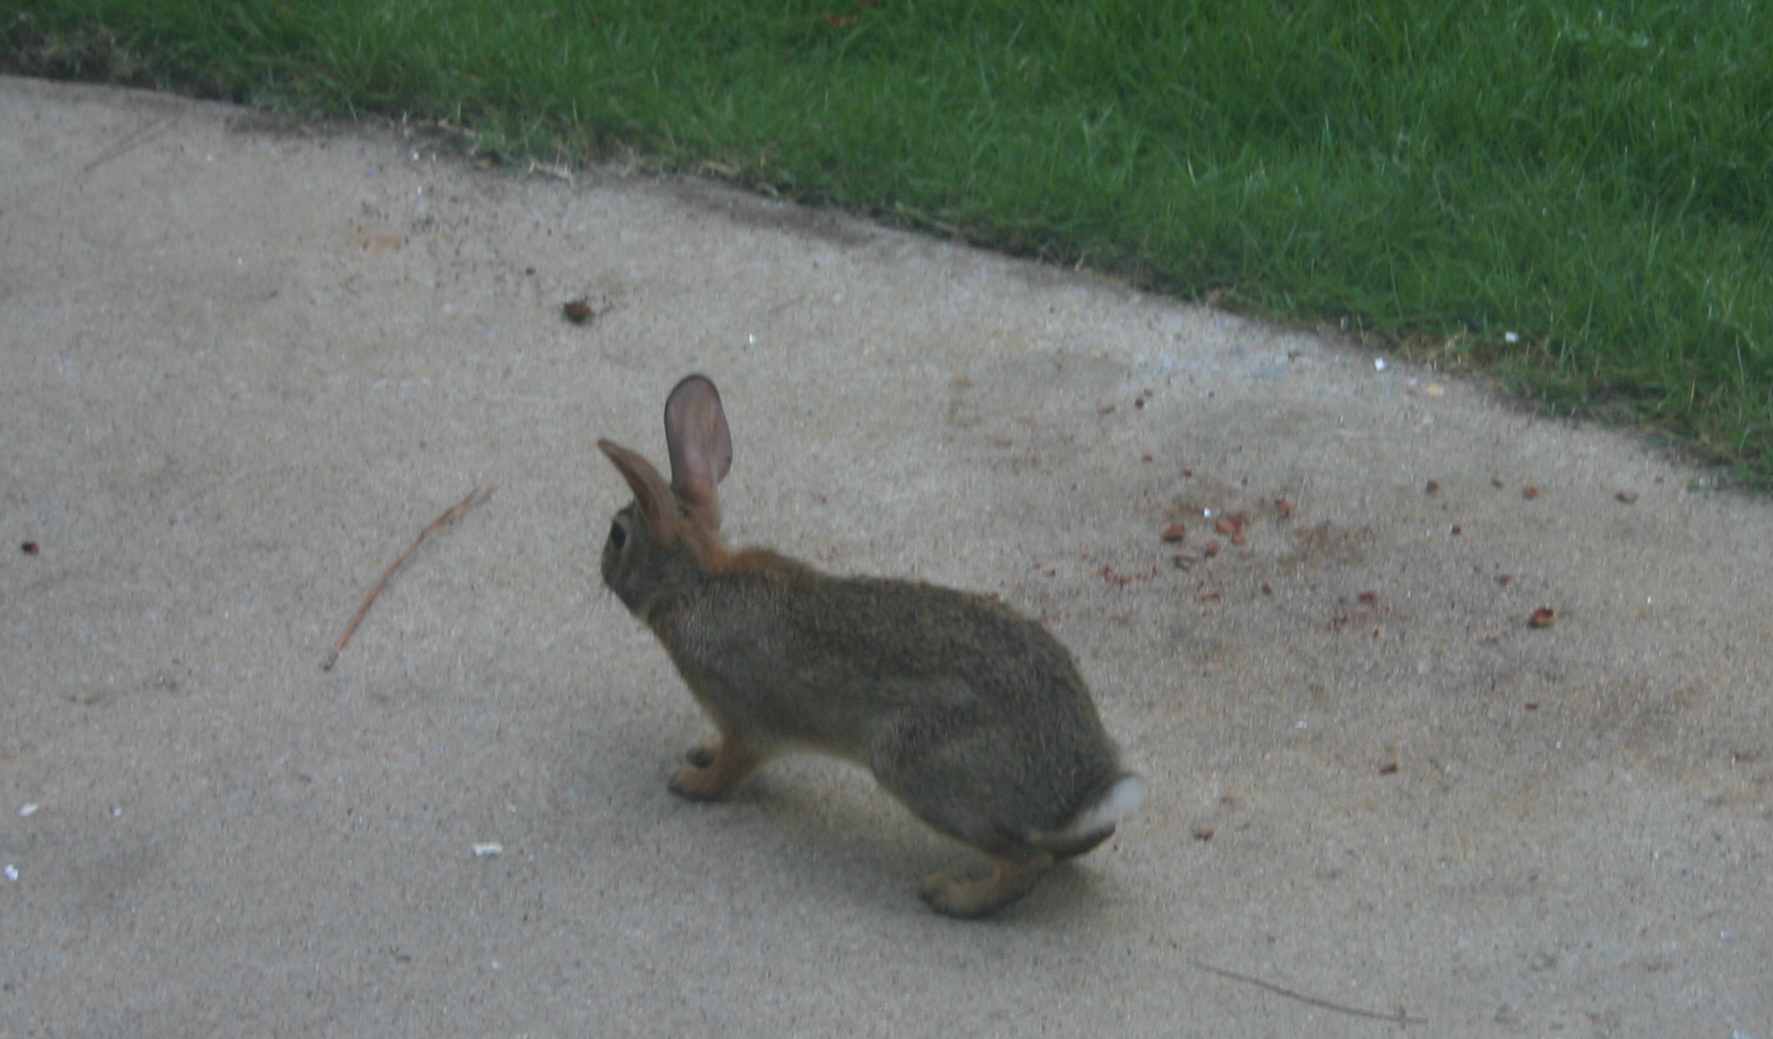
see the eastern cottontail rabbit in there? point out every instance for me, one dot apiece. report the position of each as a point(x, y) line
point(970, 714)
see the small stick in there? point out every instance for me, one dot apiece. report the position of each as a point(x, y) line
point(1399, 1018)
point(456, 512)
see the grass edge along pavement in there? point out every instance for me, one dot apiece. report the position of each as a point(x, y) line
point(1576, 200)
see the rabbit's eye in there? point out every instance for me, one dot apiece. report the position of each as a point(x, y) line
point(618, 535)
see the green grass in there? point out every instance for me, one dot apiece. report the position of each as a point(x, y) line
point(1594, 177)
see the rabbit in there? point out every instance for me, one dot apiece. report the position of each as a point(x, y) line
point(971, 715)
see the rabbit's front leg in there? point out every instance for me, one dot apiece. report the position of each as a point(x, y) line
point(714, 768)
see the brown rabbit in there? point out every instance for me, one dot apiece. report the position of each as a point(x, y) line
point(971, 715)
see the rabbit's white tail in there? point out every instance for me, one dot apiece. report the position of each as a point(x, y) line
point(1122, 800)
point(1095, 823)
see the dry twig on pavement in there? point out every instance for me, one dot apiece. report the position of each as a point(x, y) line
point(456, 512)
point(1399, 1018)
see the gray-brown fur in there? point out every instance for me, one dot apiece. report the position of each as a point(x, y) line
point(971, 715)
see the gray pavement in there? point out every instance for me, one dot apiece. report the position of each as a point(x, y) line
point(243, 364)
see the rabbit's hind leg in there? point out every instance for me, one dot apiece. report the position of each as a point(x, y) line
point(933, 766)
point(714, 769)
point(972, 897)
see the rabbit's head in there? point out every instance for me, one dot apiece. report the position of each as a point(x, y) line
point(670, 529)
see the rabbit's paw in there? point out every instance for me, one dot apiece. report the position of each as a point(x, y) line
point(697, 784)
point(702, 754)
point(972, 897)
point(712, 772)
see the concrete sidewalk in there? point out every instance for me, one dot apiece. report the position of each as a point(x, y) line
point(241, 366)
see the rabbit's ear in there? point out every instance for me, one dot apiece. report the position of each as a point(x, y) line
point(701, 447)
point(657, 506)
